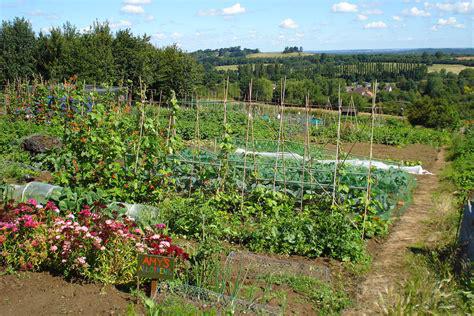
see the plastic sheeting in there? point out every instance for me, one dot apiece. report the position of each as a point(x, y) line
point(137, 210)
point(353, 162)
point(34, 190)
point(42, 192)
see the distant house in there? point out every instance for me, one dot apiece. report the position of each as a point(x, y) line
point(363, 91)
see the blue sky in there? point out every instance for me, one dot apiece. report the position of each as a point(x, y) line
point(266, 24)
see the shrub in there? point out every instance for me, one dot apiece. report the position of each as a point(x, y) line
point(87, 244)
point(434, 113)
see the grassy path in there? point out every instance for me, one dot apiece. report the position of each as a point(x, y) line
point(388, 267)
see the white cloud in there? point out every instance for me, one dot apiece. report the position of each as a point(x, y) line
point(159, 36)
point(120, 24)
point(132, 9)
point(376, 25)
point(362, 17)
point(135, 2)
point(50, 16)
point(451, 21)
point(299, 35)
point(176, 35)
point(235, 9)
point(232, 10)
point(46, 30)
point(344, 7)
point(288, 24)
point(460, 7)
point(416, 12)
point(397, 18)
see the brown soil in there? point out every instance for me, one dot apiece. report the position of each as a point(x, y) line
point(43, 294)
point(414, 152)
point(388, 269)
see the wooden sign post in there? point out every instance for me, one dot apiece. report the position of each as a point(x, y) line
point(155, 268)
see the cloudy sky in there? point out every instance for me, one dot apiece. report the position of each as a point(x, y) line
point(266, 24)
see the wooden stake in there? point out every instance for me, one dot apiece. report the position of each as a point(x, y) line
point(280, 131)
point(337, 147)
point(153, 288)
point(369, 172)
point(142, 122)
point(246, 144)
point(305, 152)
point(226, 90)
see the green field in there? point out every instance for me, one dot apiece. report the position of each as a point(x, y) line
point(449, 68)
point(227, 67)
point(277, 55)
point(235, 67)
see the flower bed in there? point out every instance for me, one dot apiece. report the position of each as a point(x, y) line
point(88, 244)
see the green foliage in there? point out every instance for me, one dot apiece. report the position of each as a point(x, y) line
point(133, 57)
point(391, 132)
point(176, 71)
point(266, 222)
point(437, 113)
point(311, 234)
point(15, 163)
point(171, 305)
point(262, 90)
point(97, 155)
point(462, 156)
point(17, 40)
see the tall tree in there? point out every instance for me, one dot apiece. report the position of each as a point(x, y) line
point(17, 42)
point(133, 57)
point(97, 60)
point(176, 71)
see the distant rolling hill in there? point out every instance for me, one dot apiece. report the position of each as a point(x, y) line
point(457, 51)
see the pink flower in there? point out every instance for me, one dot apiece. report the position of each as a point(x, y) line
point(108, 222)
point(85, 212)
point(155, 236)
point(164, 244)
point(53, 248)
point(32, 202)
point(160, 226)
point(71, 216)
point(50, 206)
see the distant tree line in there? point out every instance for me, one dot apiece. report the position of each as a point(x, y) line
point(94, 56)
point(292, 49)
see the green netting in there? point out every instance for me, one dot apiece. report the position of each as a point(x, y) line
point(298, 176)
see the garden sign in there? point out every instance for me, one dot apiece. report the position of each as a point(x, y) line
point(155, 268)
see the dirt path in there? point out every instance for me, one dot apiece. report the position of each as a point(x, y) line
point(388, 266)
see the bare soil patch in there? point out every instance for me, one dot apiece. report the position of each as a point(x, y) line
point(31, 293)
